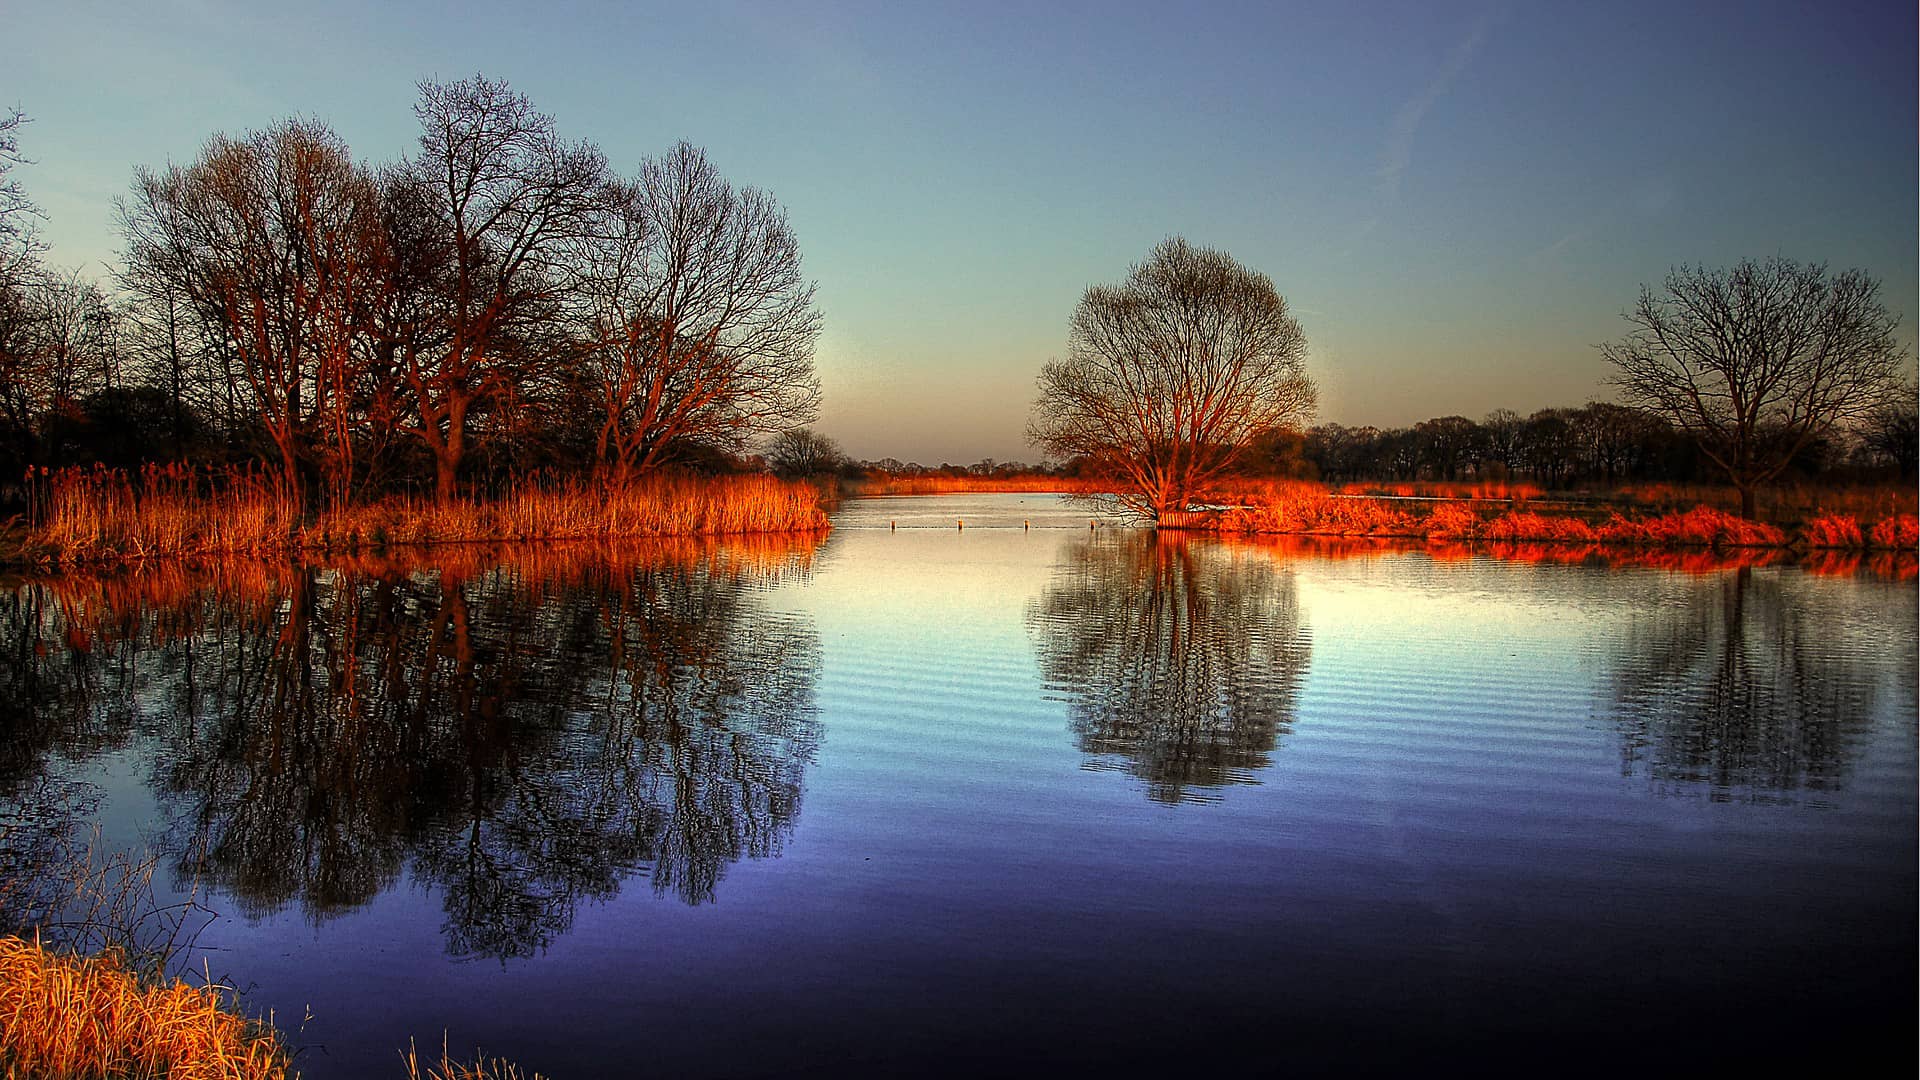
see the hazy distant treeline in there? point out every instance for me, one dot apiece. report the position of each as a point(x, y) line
point(499, 302)
point(1597, 443)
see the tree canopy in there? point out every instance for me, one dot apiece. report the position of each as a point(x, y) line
point(1757, 361)
point(1171, 375)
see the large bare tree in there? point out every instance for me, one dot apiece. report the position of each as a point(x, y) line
point(507, 193)
point(1757, 361)
point(1171, 375)
point(275, 241)
point(698, 327)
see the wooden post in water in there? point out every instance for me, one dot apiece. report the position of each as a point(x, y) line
point(893, 526)
point(1025, 525)
point(959, 524)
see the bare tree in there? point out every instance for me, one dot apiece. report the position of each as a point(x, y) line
point(1447, 444)
point(697, 324)
point(275, 241)
point(803, 452)
point(1892, 430)
point(506, 192)
point(58, 343)
point(1170, 376)
point(1757, 361)
point(1505, 439)
point(19, 243)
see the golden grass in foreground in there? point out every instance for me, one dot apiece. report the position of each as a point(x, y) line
point(103, 515)
point(77, 1018)
point(67, 1017)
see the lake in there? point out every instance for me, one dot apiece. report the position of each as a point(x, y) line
point(1026, 796)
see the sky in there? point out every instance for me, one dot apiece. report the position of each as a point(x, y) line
point(1458, 200)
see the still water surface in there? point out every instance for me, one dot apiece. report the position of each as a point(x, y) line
point(921, 799)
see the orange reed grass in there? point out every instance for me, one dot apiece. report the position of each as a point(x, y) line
point(76, 1018)
point(1311, 510)
point(98, 515)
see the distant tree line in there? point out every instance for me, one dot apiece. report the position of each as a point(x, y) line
point(1599, 443)
point(501, 302)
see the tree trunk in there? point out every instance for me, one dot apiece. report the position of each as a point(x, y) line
point(290, 476)
point(446, 457)
point(1746, 502)
point(446, 470)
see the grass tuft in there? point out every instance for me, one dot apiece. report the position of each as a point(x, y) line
point(68, 1017)
point(481, 1068)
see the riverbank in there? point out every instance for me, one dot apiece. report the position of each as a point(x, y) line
point(1312, 510)
point(101, 516)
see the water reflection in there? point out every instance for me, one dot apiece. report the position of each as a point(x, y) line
point(521, 734)
point(1179, 661)
point(1750, 688)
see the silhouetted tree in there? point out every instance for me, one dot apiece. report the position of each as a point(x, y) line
point(1892, 430)
point(1757, 361)
point(1503, 437)
point(1448, 445)
point(58, 342)
point(19, 241)
point(1171, 376)
point(803, 452)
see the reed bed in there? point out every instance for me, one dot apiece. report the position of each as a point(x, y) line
point(1308, 509)
point(96, 515)
point(1892, 565)
point(1787, 503)
point(65, 1017)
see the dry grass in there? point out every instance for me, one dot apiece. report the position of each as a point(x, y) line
point(70, 1017)
point(1789, 504)
point(97, 515)
point(1312, 510)
point(1894, 565)
point(482, 1067)
point(66, 1017)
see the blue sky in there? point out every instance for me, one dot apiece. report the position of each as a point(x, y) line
point(1458, 200)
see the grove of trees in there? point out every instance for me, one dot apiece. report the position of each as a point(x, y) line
point(500, 302)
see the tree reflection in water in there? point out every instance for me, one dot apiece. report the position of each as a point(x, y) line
point(1748, 690)
point(1178, 660)
point(521, 735)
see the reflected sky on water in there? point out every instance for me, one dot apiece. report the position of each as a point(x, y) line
point(938, 798)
